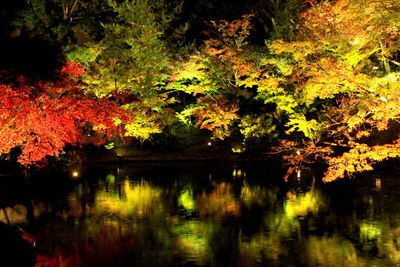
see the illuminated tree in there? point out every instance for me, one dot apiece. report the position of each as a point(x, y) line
point(342, 84)
point(124, 46)
point(41, 119)
point(328, 88)
point(220, 77)
point(132, 58)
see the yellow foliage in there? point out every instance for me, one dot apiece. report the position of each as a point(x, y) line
point(99, 127)
point(310, 128)
point(335, 61)
point(192, 68)
point(358, 159)
point(299, 50)
point(144, 125)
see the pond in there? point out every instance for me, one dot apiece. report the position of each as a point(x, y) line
point(206, 215)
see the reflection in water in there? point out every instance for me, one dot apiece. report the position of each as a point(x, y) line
point(176, 216)
point(261, 248)
point(390, 245)
point(331, 251)
point(219, 203)
point(369, 232)
point(302, 204)
point(131, 200)
point(238, 173)
point(186, 200)
point(378, 184)
point(192, 240)
point(253, 195)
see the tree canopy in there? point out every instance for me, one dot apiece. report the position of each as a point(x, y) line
point(315, 80)
point(42, 118)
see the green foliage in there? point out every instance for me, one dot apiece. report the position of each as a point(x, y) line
point(133, 58)
point(185, 115)
point(310, 128)
point(109, 146)
point(253, 126)
point(193, 77)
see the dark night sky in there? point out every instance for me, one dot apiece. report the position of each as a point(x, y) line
point(36, 56)
point(26, 55)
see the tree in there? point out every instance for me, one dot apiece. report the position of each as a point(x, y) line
point(42, 118)
point(341, 78)
point(220, 78)
point(133, 57)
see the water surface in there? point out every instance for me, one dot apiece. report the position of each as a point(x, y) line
point(206, 215)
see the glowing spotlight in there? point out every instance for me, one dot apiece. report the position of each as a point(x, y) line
point(384, 99)
point(75, 174)
point(355, 41)
point(209, 143)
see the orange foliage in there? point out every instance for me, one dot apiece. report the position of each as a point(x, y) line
point(298, 154)
point(217, 116)
point(228, 51)
point(360, 158)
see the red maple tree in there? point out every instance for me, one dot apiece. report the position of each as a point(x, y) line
point(42, 118)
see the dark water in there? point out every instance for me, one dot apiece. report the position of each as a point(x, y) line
point(206, 215)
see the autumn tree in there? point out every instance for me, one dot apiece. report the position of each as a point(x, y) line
point(221, 77)
point(133, 58)
point(42, 118)
point(128, 48)
point(124, 46)
point(341, 76)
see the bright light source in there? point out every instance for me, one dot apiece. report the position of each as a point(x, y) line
point(298, 152)
point(75, 174)
point(209, 143)
point(356, 41)
point(298, 174)
point(238, 173)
